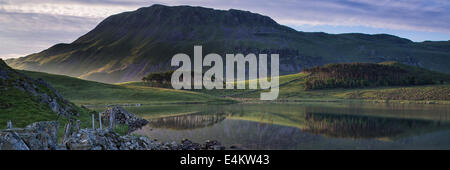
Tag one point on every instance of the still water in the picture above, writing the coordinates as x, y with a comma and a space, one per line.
302, 126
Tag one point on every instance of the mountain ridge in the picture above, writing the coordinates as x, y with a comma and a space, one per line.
128, 46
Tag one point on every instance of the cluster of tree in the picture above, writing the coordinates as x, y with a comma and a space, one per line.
160, 79
357, 75
163, 79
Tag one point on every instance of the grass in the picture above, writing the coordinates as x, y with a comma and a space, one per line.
428, 92
22, 108
121, 129
292, 89
85, 92
160, 110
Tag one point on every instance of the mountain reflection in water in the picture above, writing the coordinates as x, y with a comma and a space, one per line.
309, 127
351, 126
191, 121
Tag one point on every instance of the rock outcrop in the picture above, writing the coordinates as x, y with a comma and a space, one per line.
37, 136
44, 136
121, 116
12, 141
106, 139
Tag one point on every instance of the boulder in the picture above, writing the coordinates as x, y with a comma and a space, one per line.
122, 116
106, 139
36, 136
12, 141
43, 136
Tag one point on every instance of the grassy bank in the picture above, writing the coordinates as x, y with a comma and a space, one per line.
83, 92
292, 89
23, 109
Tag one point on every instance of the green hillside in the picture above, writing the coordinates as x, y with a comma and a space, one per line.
292, 87
357, 75
128, 46
89, 92
27, 97
24, 100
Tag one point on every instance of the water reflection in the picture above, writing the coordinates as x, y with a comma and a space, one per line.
320, 126
184, 122
355, 126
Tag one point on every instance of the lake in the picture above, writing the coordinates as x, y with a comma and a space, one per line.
302, 125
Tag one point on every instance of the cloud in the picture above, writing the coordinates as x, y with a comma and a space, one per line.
26, 33
69, 8
418, 15
33, 25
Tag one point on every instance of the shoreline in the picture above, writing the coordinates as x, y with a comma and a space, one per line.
282, 101
293, 101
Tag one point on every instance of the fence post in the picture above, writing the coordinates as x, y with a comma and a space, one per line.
9, 124
67, 131
78, 126
100, 119
93, 122
111, 119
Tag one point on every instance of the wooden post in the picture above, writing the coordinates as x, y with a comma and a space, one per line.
100, 119
93, 122
9, 124
67, 131
111, 119
78, 126
71, 126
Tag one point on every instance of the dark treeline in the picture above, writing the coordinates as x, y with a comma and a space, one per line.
163, 79
160, 79
356, 75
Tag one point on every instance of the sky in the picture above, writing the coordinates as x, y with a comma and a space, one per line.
30, 26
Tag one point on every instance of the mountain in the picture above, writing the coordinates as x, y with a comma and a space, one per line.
129, 45
24, 100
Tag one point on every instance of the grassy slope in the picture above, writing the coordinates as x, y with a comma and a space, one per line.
22, 108
89, 92
292, 89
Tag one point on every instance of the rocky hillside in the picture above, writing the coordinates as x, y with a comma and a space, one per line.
24, 100
130, 45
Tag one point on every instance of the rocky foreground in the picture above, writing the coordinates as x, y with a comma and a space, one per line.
43, 136
122, 116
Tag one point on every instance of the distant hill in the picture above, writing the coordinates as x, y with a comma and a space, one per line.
358, 75
129, 45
